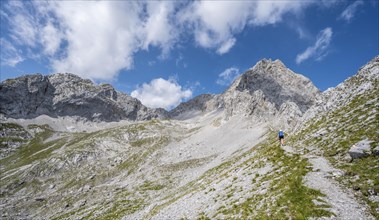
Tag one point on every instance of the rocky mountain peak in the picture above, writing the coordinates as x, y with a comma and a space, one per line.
278, 84
268, 64
268, 91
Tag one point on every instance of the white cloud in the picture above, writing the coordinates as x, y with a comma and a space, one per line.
320, 49
210, 25
94, 39
214, 23
159, 27
9, 54
98, 39
24, 27
161, 93
102, 37
271, 12
228, 76
51, 38
350, 11
226, 46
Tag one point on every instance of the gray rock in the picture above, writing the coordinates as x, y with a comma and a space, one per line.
12, 136
278, 84
334, 98
199, 103
347, 158
267, 90
360, 149
69, 95
376, 150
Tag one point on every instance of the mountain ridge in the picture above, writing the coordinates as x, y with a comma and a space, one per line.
267, 91
66, 94
216, 162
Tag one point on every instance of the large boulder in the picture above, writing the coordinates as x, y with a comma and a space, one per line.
360, 149
376, 150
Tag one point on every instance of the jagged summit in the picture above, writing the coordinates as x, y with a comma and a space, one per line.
264, 62
266, 91
66, 94
278, 83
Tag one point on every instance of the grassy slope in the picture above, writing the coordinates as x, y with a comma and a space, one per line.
55, 162
286, 196
335, 132
283, 195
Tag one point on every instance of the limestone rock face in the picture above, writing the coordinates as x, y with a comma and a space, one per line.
69, 95
204, 102
366, 79
278, 84
267, 91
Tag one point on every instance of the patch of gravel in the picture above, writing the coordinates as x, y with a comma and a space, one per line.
67, 123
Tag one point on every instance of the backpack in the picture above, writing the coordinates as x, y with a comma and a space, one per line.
281, 134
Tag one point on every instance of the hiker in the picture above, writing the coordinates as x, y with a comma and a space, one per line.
281, 137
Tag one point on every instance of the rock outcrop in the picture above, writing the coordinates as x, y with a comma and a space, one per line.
12, 136
360, 149
69, 95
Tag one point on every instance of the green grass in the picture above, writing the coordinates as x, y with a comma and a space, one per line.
122, 207
287, 196
4, 126
346, 126
35, 150
148, 185
285, 185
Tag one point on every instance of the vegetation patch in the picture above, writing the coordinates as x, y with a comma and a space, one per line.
334, 133
287, 197
149, 185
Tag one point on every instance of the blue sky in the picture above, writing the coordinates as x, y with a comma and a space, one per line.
165, 52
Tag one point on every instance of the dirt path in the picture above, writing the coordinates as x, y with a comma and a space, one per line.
342, 201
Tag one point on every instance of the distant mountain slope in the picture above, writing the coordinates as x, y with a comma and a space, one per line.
69, 95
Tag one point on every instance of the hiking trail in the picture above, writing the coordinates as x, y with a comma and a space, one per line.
343, 203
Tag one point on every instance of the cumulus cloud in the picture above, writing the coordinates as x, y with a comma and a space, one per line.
212, 29
350, 11
228, 76
226, 46
320, 49
102, 37
9, 54
94, 39
160, 28
31, 27
98, 39
161, 93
